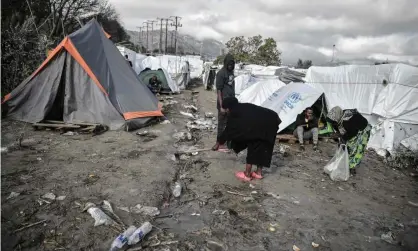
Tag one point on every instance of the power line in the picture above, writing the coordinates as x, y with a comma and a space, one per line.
176, 24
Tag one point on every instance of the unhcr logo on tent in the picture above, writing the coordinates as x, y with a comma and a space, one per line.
291, 100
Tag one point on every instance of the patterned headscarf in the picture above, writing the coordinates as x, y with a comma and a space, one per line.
339, 115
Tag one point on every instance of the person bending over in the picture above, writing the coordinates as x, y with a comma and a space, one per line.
253, 128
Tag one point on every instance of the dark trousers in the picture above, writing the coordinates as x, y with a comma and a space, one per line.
222, 118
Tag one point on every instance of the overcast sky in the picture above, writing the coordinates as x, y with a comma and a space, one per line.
307, 29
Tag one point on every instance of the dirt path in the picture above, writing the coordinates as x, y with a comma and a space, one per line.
296, 204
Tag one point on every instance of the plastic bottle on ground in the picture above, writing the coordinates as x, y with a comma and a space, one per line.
140, 233
122, 239
177, 189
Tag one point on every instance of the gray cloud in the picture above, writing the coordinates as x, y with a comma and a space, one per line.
373, 29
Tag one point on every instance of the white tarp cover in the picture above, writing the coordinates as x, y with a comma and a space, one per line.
260, 91
361, 87
173, 64
138, 63
262, 70
131, 54
291, 100
153, 63
388, 107
388, 135
242, 82
411, 142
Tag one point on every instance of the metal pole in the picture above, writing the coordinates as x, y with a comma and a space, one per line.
160, 47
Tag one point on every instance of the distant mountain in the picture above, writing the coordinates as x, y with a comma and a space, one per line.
209, 48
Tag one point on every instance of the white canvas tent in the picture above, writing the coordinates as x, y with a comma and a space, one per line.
260, 91
291, 100
387, 95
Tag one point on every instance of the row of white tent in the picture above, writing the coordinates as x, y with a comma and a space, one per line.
387, 95
171, 65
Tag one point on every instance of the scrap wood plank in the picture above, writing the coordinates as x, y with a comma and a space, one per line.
56, 125
285, 137
89, 128
72, 123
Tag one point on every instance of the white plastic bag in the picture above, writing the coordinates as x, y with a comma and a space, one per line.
338, 168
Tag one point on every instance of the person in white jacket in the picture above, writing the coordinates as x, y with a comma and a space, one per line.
185, 75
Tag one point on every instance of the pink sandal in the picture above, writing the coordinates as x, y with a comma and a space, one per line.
254, 175
241, 176
223, 150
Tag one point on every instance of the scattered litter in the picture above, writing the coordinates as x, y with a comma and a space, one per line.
39, 159
252, 186
388, 237
201, 124
184, 157
139, 233
323, 180
209, 115
126, 209
247, 199
254, 192
4, 150
195, 214
12, 195
235, 193
177, 190
106, 206
182, 136
165, 122
342, 189
323, 238
274, 195
191, 107
414, 204
315, 245
49, 196
213, 245
143, 133
62, 197
70, 133
146, 210
169, 102
30, 225
187, 114
195, 153
42, 201
283, 149
272, 229
295, 248
100, 218
218, 212
122, 239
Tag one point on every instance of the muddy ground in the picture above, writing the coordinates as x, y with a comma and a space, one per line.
296, 203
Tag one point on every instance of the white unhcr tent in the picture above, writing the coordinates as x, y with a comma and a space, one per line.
387, 95
291, 100
260, 91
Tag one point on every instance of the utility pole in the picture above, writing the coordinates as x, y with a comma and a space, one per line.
160, 47
139, 35
152, 35
176, 24
333, 53
147, 25
166, 33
